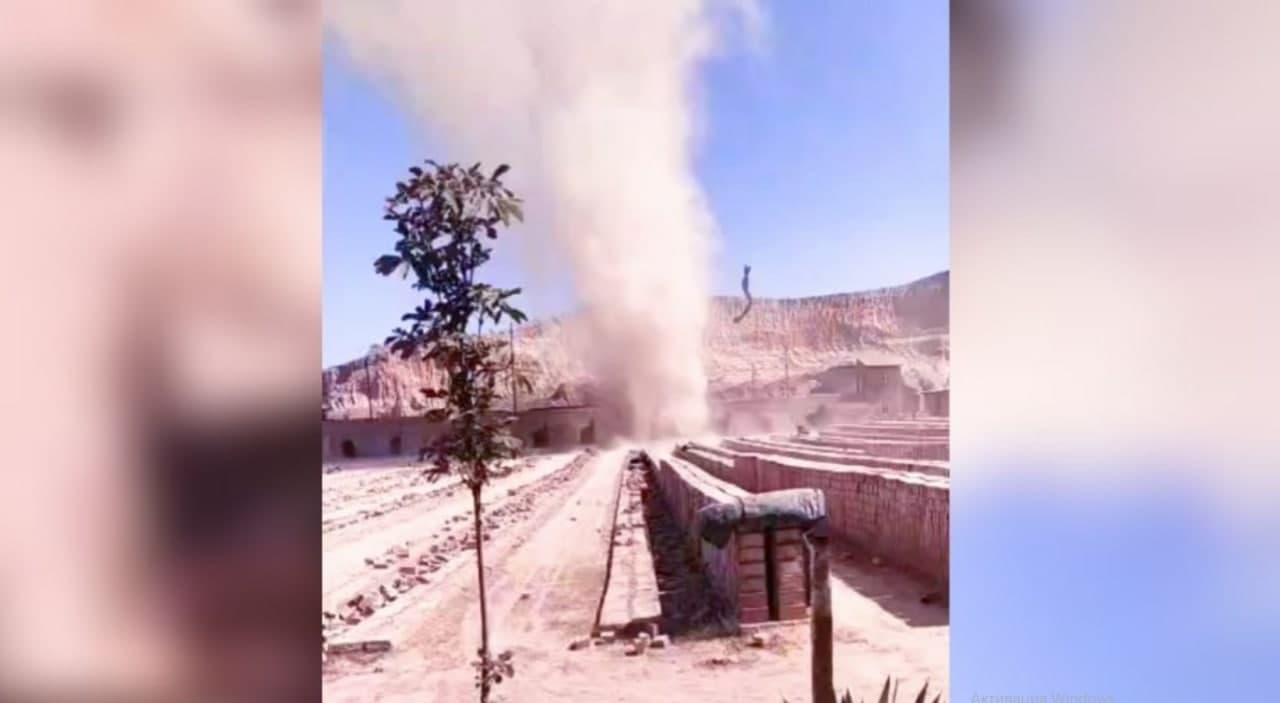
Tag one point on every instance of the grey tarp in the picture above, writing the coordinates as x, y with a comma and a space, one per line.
799, 507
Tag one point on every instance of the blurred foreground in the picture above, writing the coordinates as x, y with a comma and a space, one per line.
161, 262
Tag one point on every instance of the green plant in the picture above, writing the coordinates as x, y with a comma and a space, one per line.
889, 694
444, 215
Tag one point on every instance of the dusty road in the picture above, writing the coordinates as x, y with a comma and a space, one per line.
544, 582
396, 509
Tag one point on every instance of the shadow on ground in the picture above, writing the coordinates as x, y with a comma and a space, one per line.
893, 589
691, 608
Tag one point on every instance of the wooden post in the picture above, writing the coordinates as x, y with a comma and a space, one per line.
822, 666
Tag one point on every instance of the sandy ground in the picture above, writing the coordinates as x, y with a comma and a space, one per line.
544, 584
398, 525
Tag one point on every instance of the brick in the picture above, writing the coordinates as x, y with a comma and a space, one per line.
345, 647
752, 584
789, 552
792, 596
758, 599
789, 568
753, 569
792, 582
793, 612
750, 554
750, 539
753, 615
789, 537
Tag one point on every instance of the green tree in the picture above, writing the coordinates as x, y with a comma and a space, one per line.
444, 217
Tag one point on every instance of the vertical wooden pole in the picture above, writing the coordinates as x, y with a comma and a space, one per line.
822, 666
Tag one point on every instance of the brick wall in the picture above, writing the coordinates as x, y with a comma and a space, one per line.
758, 588
685, 490
902, 429
904, 517
896, 447
836, 456
714, 461
374, 437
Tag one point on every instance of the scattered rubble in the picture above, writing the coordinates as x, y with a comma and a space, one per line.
413, 571
396, 482
367, 646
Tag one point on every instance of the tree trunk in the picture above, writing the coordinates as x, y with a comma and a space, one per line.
484, 608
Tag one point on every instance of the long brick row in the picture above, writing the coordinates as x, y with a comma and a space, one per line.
900, 515
800, 450
896, 429
754, 566
901, 448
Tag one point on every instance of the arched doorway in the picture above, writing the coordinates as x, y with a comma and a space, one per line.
348, 449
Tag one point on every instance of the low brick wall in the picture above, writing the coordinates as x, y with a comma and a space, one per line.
896, 429
713, 460
904, 517
756, 587
902, 448
834, 455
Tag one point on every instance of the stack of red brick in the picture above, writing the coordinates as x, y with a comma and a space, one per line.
762, 573
903, 516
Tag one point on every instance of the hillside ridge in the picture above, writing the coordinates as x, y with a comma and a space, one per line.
777, 350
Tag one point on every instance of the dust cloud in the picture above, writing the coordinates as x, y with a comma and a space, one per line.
595, 106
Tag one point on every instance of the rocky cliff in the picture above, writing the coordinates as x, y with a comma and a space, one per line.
779, 348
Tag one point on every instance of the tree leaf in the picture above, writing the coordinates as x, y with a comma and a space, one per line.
387, 264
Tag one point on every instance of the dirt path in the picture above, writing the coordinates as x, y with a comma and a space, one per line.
544, 584
346, 550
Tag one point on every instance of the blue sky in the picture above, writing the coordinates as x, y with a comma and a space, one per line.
825, 161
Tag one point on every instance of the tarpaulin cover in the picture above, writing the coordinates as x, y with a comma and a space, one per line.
799, 507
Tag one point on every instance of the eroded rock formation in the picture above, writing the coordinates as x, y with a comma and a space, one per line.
778, 349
